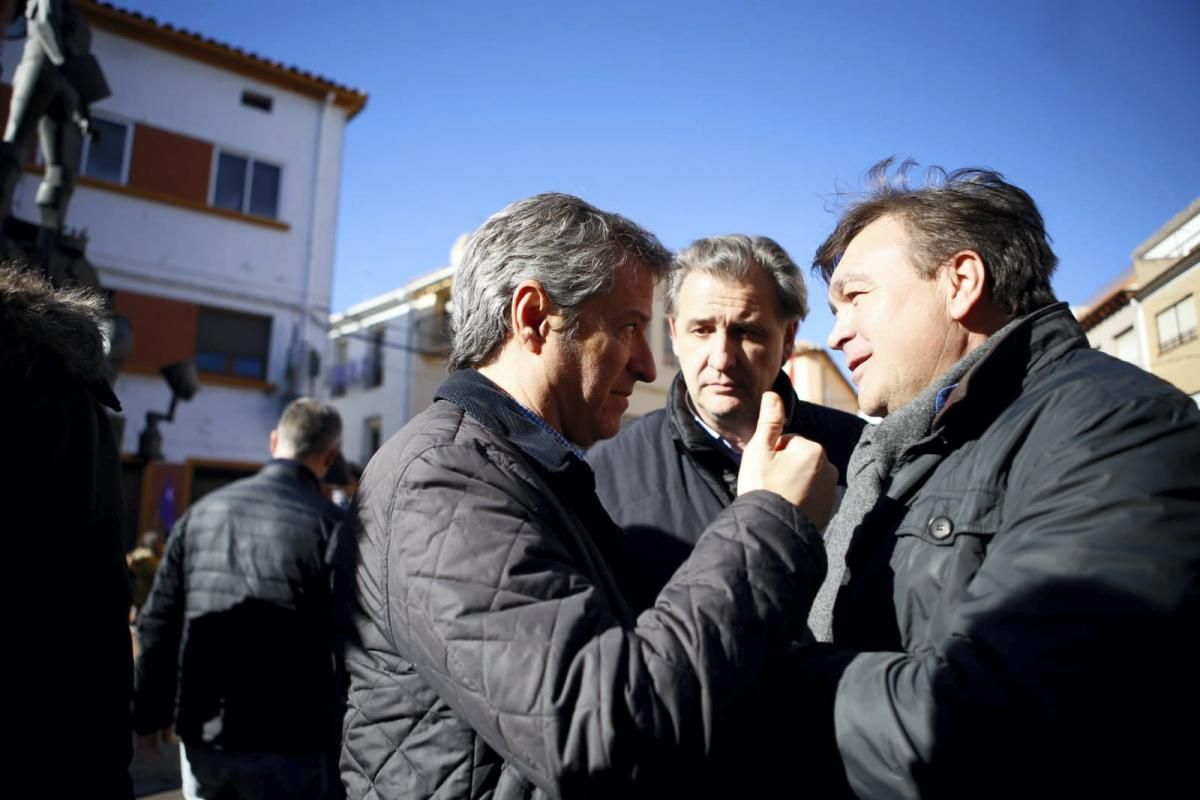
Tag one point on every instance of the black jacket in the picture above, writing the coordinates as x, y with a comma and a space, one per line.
237, 635
494, 655
663, 479
70, 665
1021, 614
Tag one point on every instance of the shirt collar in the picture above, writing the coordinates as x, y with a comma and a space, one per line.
939, 402
722, 443
496, 410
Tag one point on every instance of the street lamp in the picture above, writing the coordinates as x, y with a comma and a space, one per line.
181, 377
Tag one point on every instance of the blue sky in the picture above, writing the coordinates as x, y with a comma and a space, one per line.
702, 118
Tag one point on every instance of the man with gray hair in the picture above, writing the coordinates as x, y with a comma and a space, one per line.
494, 652
237, 636
733, 303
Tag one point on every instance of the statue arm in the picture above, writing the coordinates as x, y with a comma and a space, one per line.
45, 18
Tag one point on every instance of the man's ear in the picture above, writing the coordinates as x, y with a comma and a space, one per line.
330, 456
274, 441
966, 284
789, 340
532, 312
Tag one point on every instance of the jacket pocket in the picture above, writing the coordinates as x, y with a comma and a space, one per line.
941, 518
940, 546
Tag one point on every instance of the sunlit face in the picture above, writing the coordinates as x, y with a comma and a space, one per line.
892, 324
594, 371
731, 340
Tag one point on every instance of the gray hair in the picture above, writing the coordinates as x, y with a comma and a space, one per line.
571, 248
966, 209
309, 427
732, 257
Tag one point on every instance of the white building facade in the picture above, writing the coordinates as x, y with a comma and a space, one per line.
210, 208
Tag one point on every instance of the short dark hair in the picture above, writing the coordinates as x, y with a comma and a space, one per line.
967, 209
309, 427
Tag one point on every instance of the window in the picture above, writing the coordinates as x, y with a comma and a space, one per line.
372, 436
1127, 346
246, 185
341, 363
106, 155
255, 100
1177, 324
232, 343
668, 351
374, 366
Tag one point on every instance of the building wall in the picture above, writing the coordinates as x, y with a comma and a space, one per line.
835, 392
817, 380
647, 397
1180, 365
360, 402
1104, 335
280, 269
410, 379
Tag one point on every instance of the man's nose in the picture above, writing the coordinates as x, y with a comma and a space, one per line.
720, 354
641, 360
841, 333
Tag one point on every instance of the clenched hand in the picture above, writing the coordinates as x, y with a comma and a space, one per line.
788, 465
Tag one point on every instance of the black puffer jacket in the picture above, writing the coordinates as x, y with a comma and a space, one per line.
663, 479
495, 656
239, 624
1021, 615
70, 669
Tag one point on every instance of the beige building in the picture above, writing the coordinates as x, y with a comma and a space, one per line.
817, 378
1148, 315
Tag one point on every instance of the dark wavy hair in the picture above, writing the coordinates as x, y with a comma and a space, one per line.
967, 209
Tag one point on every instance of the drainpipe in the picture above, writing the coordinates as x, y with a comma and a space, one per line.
300, 355
1139, 322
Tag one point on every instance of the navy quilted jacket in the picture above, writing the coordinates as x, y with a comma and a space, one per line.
492, 653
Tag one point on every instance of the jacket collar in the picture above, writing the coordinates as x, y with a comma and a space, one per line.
293, 470
689, 432
1032, 345
495, 409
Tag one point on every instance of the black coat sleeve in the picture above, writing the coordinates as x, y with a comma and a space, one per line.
160, 628
497, 613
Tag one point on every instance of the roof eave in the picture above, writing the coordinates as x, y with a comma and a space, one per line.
191, 45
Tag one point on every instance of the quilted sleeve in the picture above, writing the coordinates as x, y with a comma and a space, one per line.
495, 610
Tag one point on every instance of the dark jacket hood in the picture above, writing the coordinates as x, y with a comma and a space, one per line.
37, 321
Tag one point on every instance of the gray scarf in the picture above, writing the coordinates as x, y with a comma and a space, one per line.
868, 474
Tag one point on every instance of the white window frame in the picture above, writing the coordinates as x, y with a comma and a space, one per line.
251, 159
1131, 332
126, 157
1181, 336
